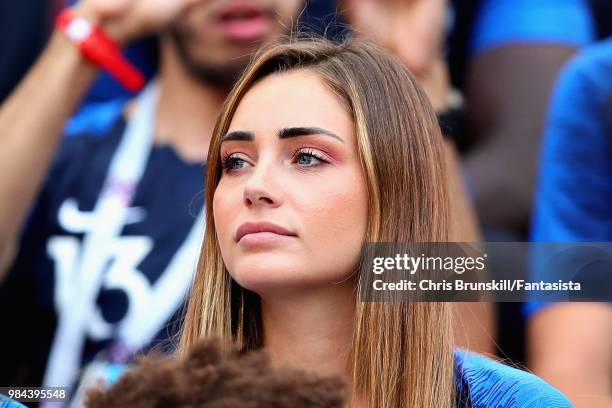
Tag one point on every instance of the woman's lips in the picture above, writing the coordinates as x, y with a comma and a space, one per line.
261, 233
245, 22
263, 239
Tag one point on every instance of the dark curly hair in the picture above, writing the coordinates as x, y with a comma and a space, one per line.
212, 378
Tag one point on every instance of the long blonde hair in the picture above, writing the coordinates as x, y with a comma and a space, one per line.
401, 353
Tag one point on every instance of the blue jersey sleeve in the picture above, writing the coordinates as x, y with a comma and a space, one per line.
487, 383
504, 22
574, 197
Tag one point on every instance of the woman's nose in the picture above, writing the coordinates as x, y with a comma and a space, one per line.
260, 190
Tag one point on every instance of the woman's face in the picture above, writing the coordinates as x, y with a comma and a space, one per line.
291, 206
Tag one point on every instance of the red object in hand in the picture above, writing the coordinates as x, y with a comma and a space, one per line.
100, 49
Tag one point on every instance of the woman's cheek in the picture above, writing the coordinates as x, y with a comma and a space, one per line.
336, 232
339, 215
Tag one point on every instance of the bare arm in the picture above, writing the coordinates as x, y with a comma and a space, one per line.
570, 346
31, 122
507, 99
32, 118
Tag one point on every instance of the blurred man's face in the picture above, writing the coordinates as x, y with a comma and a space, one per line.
216, 38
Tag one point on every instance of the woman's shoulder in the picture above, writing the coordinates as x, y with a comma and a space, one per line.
483, 382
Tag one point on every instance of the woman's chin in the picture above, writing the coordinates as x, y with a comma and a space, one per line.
271, 275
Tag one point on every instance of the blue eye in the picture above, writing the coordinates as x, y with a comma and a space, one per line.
305, 159
237, 163
309, 158
232, 163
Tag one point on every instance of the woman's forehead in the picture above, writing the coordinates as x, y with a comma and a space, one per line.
289, 99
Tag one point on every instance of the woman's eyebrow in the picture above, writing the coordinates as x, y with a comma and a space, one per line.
306, 131
239, 135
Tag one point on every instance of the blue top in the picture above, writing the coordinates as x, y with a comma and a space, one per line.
574, 198
503, 22
482, 382
5, 402
45, 273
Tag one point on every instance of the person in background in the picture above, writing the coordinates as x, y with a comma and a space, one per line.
516, 50
570, 343
503, 56
144, 53
98, 225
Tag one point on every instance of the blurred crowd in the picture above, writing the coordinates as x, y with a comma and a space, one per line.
523, 92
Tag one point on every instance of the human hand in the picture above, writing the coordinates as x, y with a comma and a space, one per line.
126, 20
412, 30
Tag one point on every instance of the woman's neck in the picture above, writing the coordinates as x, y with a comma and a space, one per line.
311, 331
